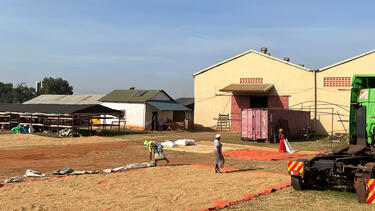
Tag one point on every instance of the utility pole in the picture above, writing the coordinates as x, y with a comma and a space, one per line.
315, 99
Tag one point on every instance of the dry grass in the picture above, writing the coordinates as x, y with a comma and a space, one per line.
288, 199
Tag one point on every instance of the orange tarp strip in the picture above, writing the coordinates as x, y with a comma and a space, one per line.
261, 154
220, 204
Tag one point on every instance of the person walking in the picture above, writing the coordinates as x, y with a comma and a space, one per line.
219, 158
156, 149
282, 142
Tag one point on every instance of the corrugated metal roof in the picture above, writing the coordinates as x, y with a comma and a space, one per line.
66, 99
347, 60
247, 52
130, 96
254, 88
168, 106
58, 109
185, 101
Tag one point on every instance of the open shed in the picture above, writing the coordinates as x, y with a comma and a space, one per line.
54, 117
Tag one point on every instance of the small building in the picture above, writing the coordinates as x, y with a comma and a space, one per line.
143, 109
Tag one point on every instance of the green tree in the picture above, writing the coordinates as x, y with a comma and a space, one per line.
55, 86
19, 94
23, 93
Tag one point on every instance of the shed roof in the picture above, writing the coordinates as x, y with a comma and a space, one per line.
185, 100
347, 60
247, 52
65, 99
168, 106
58, 109
131, 95
249, 88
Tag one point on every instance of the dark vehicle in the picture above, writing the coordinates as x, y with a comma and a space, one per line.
351, 165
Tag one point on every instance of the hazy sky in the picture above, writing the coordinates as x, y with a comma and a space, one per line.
103, 45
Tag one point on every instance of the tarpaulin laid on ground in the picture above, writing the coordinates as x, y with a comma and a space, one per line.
262, 154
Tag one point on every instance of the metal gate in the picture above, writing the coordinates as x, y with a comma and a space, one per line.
254, 124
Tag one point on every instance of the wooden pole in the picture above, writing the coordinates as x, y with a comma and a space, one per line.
58, 121
72, 125
332, 123
315, 100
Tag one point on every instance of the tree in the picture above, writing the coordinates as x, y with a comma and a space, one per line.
20, 94
23, 93
55, 86
6, 95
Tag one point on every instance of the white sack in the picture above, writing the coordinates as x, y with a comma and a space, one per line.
287, 146
185, 142
168, 144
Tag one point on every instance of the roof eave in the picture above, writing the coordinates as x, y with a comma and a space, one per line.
247, 52
346, 60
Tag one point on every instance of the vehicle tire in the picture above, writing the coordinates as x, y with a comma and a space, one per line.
307, 181
360, 188
297, 183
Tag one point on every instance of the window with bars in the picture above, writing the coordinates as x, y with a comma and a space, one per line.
336, 82
251, 80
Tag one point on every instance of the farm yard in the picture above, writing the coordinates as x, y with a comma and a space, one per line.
187, 183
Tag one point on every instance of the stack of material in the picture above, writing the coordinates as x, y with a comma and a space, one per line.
223, 122
129, 167
13, 179
70, 171
32, 173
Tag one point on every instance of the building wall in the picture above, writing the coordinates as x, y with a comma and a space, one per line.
287, 79
162, 115
278, 102
135, 113
238, 103
340, 96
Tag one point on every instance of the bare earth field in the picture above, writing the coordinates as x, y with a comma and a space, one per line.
158, 188
179, 186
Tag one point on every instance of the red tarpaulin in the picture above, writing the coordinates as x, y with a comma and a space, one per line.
262, 154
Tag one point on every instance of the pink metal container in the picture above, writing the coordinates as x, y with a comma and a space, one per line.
258, 124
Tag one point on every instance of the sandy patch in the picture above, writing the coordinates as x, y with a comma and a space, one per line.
207, 147
14, 141
158, 188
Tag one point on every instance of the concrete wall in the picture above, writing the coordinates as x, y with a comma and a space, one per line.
339, 95
135, 113
288, 81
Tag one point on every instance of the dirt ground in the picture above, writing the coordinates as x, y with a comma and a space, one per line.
157, 188
19, 152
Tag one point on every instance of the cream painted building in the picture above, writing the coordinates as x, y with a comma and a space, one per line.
242, 81
333, 90
221, 88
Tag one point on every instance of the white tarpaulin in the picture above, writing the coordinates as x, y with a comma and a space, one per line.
287, 146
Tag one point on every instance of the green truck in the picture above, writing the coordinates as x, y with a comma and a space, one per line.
351, 165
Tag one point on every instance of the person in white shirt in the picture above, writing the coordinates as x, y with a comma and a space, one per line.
219, 159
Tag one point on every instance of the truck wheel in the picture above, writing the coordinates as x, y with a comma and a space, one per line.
360, 188
297, 183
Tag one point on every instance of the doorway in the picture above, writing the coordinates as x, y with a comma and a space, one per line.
258, 101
